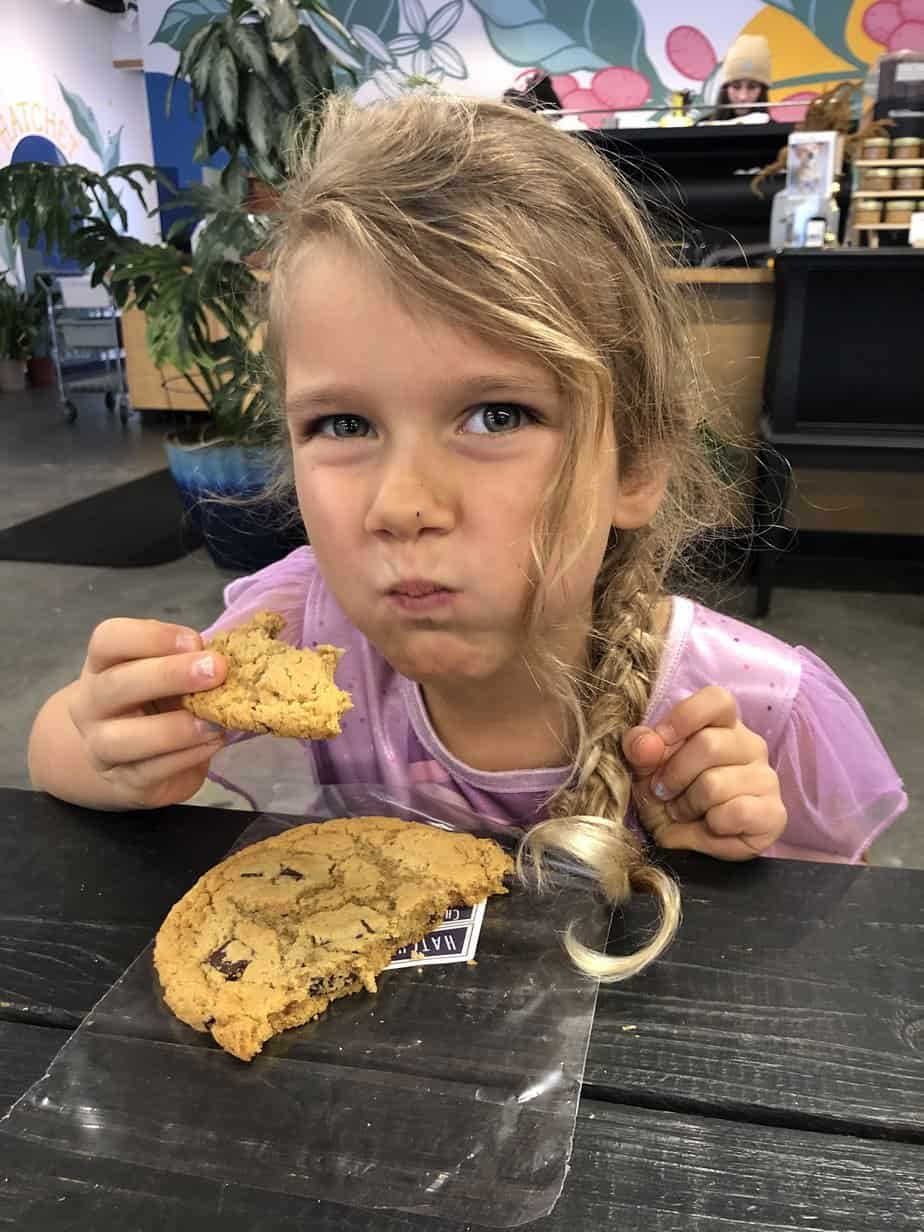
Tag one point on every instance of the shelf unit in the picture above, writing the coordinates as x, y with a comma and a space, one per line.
889, 162
881, 226
854, 229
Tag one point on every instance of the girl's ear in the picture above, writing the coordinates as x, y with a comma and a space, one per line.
638, 495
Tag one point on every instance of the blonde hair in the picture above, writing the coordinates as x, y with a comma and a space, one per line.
494, 219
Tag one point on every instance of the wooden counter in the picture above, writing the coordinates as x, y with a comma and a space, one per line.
151, 388
733, 311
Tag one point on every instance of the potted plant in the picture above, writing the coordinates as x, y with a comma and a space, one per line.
17, 330
252, 67
41, 365
203, 319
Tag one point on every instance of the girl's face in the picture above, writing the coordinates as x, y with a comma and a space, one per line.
744, 92
421, 455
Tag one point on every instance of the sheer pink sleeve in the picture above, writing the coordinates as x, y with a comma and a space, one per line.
281, 587
837, 781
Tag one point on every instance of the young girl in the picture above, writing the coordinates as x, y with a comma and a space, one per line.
496, 437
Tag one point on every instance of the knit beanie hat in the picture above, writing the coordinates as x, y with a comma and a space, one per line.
748, 59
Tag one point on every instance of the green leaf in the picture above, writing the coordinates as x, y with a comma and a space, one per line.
282, 52
278, 85
213, 125
200, 70
281, 21
84, 122
264, 169
194, 50
257, 113
314, 66
184, 18
249, 48
223, 84
201, 151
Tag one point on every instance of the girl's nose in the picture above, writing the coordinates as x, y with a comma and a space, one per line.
407, 501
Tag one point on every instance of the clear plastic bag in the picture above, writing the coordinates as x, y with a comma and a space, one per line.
453, 1091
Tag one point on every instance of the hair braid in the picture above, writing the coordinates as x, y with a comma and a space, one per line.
590, 815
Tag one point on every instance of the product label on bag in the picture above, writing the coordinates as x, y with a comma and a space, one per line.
455, 940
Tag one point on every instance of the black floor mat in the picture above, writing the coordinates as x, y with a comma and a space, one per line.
136, 524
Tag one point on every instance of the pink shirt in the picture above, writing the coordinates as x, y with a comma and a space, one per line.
838, 784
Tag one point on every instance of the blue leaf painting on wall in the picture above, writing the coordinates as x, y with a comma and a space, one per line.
564, 36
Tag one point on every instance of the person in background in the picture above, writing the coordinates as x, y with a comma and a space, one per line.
746, 74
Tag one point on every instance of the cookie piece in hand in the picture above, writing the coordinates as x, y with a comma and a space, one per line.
271, 936
271, 686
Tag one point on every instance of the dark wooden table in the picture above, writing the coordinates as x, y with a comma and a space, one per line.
767, 1073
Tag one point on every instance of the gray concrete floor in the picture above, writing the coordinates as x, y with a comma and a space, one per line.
874, 642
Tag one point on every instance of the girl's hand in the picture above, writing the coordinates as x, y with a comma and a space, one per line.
126, 708
703, 781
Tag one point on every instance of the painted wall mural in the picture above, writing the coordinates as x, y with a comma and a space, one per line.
61, 100
605, 57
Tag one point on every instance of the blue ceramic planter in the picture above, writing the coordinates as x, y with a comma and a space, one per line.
239, 538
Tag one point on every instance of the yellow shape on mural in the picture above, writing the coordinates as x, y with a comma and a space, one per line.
797, 52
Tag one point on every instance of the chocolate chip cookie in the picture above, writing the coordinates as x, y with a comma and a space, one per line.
271, 686
271, 936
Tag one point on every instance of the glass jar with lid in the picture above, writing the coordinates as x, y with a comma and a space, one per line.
909, 179
898, 212
867, 211
906, 147
875, 147
876, 179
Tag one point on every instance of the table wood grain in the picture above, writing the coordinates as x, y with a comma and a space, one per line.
793, 994
765, 1074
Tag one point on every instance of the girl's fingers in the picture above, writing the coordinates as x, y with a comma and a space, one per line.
120, 742
708, 707
131, 685
756, 820
143, 781
719, 785
707, 749
693, 836
119, 640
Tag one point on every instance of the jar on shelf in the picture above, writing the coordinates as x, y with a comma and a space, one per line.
898, 212
876, 179
875, 147
906, 147
909, 179
867, 211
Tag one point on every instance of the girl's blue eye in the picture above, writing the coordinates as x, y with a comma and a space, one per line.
497, 418
501, 417
343, 427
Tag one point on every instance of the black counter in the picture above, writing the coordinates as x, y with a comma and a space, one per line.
697, 181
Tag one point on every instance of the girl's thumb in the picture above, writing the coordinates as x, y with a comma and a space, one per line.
643, 749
